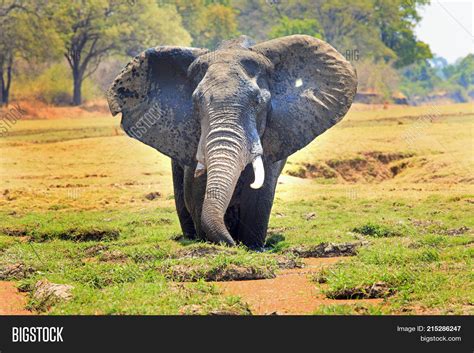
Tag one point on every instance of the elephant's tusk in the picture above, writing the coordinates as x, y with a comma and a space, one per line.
200, 170
259, 173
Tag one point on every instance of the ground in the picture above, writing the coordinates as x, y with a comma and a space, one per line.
82, 204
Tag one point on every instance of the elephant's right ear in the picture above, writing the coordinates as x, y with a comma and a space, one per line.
154, 95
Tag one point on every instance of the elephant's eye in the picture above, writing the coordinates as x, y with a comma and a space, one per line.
259, 100
251, 67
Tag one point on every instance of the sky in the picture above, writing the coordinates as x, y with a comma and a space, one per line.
448, 27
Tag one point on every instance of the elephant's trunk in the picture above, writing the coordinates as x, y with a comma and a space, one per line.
227, 154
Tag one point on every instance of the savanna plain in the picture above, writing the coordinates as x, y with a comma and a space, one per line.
374, 217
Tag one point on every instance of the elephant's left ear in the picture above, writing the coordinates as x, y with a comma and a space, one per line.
153, 93
312, 87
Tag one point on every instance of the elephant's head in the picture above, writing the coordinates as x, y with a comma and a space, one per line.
219, 111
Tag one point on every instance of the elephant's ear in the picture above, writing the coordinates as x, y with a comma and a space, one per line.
153, 93
312, 88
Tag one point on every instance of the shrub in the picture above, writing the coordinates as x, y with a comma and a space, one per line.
376, 230
52, 86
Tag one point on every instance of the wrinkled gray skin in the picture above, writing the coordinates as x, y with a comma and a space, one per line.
226, 109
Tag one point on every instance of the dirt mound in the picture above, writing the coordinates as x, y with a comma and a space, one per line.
95, 250
437, 227
45, 294
150, 222
152, 195
87, 234
457, 231
15, 271
115, 256
326, 250
196, 309
75, 233
314, 170
14, 232
289, 261
227, 272
368, 167
377, 290
202, 251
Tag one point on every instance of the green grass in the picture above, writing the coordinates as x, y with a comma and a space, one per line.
436, 276
415, 264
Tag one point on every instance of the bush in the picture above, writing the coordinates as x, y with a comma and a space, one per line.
376, 230
52, 86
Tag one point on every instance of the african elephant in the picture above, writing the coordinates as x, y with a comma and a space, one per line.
218, 114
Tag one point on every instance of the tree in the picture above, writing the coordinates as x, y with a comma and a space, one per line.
462, 72
377, 29
396, 20
23, 35
257, 17
218, 23
287, 27
209, 22
93, 29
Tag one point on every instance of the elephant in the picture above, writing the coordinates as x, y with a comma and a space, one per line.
228, 119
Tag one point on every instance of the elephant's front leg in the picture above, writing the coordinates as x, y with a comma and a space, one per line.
185, 219
194, 189
256, 205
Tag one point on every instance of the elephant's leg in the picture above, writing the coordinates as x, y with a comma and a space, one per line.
184, 216
256, 205
194, 189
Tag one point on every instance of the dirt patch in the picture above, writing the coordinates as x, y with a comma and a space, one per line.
314, 170
289, 262
75, 234
115, 256
426, 223
95, 250
196, 309
152, 195
229, 272
202, 251
45, 294
92, 234
377, 290
457, 231
368, 166
437, 227
326, 250
150, 222
291, 292
15, 271
79, 234
14, 232
12, 302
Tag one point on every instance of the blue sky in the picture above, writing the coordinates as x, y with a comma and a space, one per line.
448, 27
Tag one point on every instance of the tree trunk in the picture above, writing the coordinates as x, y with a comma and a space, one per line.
5, 83
6, 93
77, 94
2, 87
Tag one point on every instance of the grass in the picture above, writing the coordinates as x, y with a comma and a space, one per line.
73, 206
